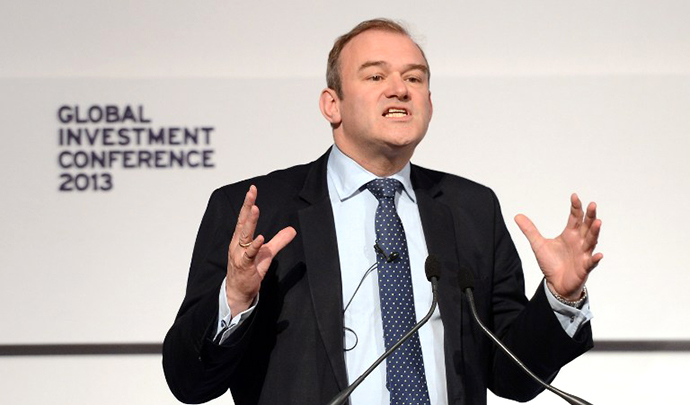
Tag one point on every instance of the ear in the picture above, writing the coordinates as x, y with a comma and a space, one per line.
329, 103
431, 107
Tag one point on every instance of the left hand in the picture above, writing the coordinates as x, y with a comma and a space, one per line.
567, 260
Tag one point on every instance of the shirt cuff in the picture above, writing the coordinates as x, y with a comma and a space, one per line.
226, 323
570, 318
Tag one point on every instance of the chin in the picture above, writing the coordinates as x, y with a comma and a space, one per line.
404, 140
401, 146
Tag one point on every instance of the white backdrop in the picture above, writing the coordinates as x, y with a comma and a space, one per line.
535, 99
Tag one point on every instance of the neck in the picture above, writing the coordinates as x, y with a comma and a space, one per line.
378, 163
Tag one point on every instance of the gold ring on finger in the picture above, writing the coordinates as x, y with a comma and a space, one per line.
245, 245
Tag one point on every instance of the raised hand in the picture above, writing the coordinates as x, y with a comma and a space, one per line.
250, 257
567, 260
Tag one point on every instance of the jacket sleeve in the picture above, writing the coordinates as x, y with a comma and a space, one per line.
531, 330
196, 369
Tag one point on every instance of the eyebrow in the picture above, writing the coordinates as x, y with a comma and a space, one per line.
408, 67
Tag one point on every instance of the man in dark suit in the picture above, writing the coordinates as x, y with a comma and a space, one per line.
271, 321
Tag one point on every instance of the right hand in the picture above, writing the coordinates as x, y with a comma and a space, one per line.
247, 266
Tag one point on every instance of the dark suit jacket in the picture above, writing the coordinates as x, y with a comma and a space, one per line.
291, 349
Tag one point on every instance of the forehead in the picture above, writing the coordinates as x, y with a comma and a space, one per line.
381, 46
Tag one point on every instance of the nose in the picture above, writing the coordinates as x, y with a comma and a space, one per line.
397, 88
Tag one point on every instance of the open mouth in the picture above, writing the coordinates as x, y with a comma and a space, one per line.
395, 113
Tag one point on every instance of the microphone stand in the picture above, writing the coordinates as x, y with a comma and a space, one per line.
571, 399
342, 397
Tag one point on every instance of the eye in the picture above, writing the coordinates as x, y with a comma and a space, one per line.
376, 78
414, 79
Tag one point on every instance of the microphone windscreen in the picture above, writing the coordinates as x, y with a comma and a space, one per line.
432, 267
465, 278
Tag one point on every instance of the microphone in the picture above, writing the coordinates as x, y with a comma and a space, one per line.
432, 269
466, 282
389, 258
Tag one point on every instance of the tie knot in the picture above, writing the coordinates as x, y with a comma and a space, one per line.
382, 188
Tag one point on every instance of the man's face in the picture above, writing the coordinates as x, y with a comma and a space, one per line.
386, 105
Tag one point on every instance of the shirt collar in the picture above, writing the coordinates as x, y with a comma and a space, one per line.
349, 177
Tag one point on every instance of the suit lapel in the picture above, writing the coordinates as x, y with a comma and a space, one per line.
441, 241
438, 224
323, 266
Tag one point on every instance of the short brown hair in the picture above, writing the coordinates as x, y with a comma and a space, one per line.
333, 79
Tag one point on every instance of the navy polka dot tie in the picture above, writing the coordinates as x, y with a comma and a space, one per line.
405, 377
